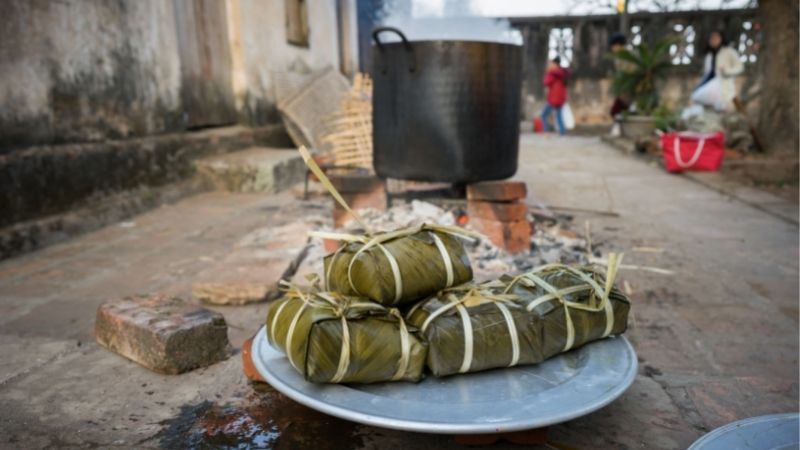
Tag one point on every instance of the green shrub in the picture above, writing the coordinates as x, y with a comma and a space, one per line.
646, 65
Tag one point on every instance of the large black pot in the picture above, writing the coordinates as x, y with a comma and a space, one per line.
445, 111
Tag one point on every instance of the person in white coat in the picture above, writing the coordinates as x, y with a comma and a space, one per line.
717, 88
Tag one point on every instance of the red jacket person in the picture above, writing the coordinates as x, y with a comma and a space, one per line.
555, 80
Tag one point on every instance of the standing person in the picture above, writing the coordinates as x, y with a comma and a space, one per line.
555, 80
717, 88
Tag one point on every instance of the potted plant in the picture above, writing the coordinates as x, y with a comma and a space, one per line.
637, 79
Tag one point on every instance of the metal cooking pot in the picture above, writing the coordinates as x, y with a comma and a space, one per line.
445, 111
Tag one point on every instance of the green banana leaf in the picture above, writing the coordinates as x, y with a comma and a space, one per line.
589, 325
421, 267
540, 328
310, 327
490, 328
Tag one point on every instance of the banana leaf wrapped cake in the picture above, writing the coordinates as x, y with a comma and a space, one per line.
574, 306
399, 267
395, 267
333, 338
476, 327
520, 320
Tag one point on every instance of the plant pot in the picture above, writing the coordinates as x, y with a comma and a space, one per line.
636, 127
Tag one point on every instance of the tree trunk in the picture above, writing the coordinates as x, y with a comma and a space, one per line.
778, 116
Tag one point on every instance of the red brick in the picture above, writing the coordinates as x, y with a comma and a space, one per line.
524, 437
497, 191
513, 236
502, 211
248, 367
164, 334
476, 440
527, 437
374, 199
331, 245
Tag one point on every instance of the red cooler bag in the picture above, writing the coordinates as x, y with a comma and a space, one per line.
693, 151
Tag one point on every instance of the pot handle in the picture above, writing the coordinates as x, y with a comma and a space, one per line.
412, 66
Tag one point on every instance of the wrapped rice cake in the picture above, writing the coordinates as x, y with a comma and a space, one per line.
399, 267
519, 320
574, 306
333, 338
473, 328
395, 267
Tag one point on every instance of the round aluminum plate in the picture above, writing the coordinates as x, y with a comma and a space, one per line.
496, 401
773, 432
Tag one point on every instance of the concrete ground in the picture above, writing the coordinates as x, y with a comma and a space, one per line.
717, 339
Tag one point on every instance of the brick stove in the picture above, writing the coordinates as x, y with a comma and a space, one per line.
498, 210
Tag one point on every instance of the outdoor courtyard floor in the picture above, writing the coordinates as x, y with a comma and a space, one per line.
717, 339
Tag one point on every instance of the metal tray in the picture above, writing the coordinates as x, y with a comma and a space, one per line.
497, 401
773, 432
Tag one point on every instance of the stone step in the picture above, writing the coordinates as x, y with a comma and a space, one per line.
56, 192
255, 169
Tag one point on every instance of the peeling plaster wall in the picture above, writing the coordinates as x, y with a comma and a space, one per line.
77, 71
263, 50
86, 84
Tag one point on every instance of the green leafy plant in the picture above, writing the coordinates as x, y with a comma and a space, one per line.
644, 67
665, 119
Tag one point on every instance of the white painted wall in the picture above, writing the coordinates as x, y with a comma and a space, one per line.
265, 50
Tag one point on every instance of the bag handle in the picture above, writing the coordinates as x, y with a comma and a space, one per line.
676, 149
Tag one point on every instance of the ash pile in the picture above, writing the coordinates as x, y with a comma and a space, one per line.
553, 240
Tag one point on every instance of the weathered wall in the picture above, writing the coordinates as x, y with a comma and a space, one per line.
76, 71
82, 71
260, 49
95, 96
